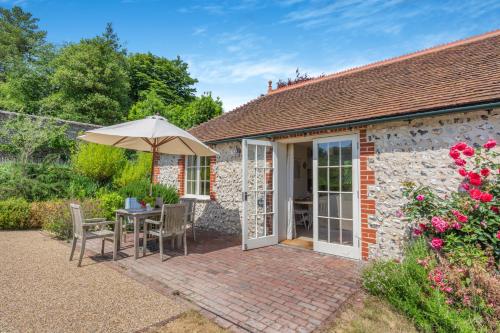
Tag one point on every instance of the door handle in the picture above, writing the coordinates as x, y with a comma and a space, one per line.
244, 196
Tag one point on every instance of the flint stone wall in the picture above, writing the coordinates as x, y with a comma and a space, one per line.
224, 213
417, 151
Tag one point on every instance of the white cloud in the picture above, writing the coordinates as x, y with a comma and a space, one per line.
199, 31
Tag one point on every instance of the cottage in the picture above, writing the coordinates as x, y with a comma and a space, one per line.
322, 161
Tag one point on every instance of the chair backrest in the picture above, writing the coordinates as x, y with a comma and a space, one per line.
174, 218
191, 208
77, 218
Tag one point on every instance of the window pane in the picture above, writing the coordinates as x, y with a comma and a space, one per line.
346, 179
347, 235
334, 154
261, 156
334, 205
334, 231
322, 204
269, 225
334, 179
323, 229
322, 179
346, 152
347, 205
191, 161
323, 154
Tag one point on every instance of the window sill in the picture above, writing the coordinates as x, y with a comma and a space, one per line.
197, 197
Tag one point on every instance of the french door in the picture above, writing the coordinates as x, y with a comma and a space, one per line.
335, 190
260, 223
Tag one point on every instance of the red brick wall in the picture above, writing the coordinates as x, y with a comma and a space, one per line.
213, 160
367, 177
156, 168
181, 176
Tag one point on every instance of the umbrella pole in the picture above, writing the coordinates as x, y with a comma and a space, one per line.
152, 169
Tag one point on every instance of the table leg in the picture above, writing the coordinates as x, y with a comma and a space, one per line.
136, 237
116, 245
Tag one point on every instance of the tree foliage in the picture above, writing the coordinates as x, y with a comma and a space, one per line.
90, 82
98, 162
170, 79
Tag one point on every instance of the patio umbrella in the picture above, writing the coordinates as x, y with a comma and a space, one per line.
154, 134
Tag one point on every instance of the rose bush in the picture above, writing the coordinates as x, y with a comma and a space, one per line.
463, 231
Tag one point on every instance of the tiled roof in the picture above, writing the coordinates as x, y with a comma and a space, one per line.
462, 73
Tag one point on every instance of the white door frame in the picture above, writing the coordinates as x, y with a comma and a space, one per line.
247, 243
354, 251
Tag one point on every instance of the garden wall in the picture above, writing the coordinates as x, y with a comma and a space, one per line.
417, 150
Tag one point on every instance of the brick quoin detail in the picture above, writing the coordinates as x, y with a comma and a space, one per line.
156, 168
182, 174
213, 160
367, 177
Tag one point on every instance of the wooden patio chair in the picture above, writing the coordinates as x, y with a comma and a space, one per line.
172, 224
191, 209
81, 230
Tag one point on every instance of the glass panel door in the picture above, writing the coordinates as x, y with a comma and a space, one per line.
336, 221
259, 194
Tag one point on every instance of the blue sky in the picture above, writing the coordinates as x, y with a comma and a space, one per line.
235, 47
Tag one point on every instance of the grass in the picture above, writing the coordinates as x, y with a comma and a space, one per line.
190, 321
370, 314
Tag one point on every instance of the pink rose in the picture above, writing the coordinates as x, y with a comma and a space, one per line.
460, 162
465, 186
462, 218
420, 197
454, 153
486, 197
498, 234
490, 144
460, 146
475, 194
474, 179
439, 224
462, 172
437, 243
417, 232
485, 172
456, 226
469, 151
448, 289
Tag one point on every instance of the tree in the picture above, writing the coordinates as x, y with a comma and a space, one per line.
20, 38
90, 81
149, 105
170, 79
202, 109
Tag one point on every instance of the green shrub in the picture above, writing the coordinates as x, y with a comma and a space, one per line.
82, 187
110, 202
140, 190
98, 162
14, 214
406, 286
34, 181
55, 217
135, 170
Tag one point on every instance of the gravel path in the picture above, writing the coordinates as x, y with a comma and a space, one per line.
41, 291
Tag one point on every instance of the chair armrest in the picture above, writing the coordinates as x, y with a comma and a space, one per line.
152, 221
95, 224
95, 219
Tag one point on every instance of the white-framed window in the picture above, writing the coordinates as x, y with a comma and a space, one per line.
197, 176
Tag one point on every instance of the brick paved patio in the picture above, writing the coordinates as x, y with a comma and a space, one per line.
272, 289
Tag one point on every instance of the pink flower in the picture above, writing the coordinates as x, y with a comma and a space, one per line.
460, 162
448, 289
469, 151
465, 186
456, 226
462, 218
485, 172
420, 197
490, 144
449, 301
475, 194
474, 179
437, 243
439, 224
486, 197
417, 232
495, 209
498, 234
454, 153
460, 146
462, 172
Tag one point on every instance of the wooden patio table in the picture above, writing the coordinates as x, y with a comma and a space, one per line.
136, 215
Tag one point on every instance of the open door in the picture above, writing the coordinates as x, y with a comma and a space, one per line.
260, 221
335, 190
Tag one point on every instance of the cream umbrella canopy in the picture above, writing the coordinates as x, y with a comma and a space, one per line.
153, 134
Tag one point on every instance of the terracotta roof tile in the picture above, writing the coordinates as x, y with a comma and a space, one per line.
460, 73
